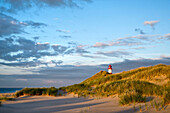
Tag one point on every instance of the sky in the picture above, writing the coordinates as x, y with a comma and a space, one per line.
45, 43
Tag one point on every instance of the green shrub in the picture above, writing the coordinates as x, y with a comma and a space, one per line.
166, 95
146, 106
131, 97
38, 91
140, 108
134, 106
6, 98
156, 106
151, 102
162, 105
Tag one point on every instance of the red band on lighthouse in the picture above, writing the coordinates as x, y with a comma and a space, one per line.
110, 69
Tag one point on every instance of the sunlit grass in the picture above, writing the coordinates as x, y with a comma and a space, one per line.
131, 86
38, 91
131, 97
138, 80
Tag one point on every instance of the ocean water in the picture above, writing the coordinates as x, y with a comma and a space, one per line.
9, 90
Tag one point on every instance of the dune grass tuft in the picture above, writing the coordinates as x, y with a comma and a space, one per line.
6, 98
131, 97
38, 91
140, 108
156, 105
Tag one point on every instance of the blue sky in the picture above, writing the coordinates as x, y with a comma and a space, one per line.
47, 43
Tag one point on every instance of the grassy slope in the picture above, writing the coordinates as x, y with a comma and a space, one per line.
132, 84
159, 74
153, 80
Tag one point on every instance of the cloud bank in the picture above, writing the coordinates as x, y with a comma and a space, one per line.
127, 41
115, 53
10, 25
70, 74
166, 36
19, 51
22, 5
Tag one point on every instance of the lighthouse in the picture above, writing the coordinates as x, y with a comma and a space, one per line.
110, 69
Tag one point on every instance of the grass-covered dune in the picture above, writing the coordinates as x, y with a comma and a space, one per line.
131, 86
158, 74
38, 91
135, 84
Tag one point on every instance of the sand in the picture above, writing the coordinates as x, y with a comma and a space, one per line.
71, 104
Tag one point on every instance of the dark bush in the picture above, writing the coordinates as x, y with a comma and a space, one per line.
38, 91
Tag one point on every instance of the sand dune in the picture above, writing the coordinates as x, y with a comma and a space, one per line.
70, 104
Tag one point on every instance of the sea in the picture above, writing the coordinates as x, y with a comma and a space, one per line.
9, 90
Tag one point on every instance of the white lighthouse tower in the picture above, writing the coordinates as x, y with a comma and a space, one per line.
110, 69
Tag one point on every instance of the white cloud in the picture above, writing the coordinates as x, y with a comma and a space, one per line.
46, 43
81, 46
126, 41
166, 36
62, 31
101, 45
52, 81
21, 79
138, 48
151, 23
13, 22
114, 53
23, 5
56, 45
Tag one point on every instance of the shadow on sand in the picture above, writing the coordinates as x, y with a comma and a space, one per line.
55, 105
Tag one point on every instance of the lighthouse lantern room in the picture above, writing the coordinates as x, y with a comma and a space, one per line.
110, 69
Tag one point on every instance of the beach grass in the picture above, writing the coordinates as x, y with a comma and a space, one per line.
131, 86
131, 97
52, 91
5, 98
143, 81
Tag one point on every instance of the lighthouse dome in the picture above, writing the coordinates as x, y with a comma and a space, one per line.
110, 69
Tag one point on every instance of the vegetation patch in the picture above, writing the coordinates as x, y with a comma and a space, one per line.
6, 98
136, 82
38, 91
131, 97
131, 86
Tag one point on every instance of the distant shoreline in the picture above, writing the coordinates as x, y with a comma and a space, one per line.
9, 90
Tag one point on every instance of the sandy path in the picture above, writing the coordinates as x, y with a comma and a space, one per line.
70, 104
